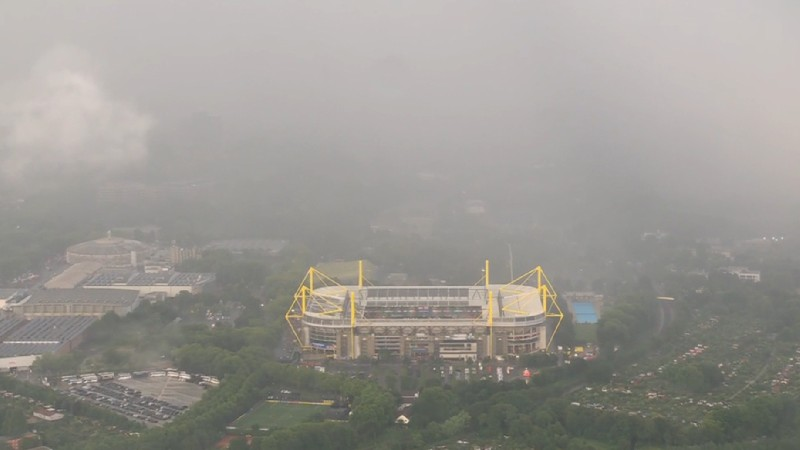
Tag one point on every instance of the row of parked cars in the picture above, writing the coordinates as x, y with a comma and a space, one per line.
73, 380
127, 401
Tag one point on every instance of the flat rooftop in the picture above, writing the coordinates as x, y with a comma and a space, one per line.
50, 329
8, 293
11, 350
73, 275
8, 324
40, 335
79, 296
138, 279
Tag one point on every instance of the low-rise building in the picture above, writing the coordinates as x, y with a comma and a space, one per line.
48, 414
77, 302
744, 274
167, 282
23, 341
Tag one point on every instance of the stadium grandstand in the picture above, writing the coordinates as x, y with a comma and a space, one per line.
447, 322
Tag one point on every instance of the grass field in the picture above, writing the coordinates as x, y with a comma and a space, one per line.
586, 332
277, 415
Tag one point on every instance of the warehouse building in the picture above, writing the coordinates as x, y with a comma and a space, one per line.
23, 341
77, 302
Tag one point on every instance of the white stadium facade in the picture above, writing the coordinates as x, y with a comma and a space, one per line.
446, 322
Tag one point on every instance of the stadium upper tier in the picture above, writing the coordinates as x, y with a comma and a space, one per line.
510, 305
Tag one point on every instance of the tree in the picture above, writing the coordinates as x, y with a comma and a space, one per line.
373, 410
435, 404
53, 365
14, 422
238, 444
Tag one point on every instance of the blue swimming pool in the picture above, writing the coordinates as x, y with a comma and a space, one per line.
584, 312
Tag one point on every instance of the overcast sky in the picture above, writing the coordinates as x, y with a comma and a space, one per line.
695, 97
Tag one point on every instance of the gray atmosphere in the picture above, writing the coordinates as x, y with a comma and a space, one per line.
693, 101
399, 224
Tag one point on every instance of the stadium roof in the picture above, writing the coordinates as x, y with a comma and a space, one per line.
509, 301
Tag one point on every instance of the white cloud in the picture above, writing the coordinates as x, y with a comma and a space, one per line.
60, 121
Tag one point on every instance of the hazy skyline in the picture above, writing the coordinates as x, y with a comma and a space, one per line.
690, 98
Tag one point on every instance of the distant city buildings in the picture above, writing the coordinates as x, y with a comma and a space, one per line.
177, 255
744, 273
239, 246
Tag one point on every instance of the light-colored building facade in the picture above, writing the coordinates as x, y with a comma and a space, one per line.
454, 322
77, 302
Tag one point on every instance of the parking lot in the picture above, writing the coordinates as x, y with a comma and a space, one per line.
152, 401
168, 389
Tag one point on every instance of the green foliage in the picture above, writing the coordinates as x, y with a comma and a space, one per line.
762, 416
699, 377
626, 321
435, 404
13, 422
334, 436
55, 365
373, 410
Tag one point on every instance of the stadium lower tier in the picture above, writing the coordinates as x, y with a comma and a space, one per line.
423, 342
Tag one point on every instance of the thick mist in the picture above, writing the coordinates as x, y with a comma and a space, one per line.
60, 121
687, 101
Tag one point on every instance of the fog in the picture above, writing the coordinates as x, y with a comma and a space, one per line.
60, 121
690, 102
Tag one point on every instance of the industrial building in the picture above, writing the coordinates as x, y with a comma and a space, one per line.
76, 302
73, 275
23, 341
446, 322
168, 283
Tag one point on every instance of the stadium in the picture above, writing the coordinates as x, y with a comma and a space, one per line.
421, 322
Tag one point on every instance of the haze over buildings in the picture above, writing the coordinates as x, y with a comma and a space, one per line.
664, 99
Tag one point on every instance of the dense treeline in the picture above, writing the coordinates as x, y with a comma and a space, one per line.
626, 321
204, 423
522, 416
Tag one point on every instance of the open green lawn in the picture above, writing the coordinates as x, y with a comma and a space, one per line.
277, 415
586, 332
